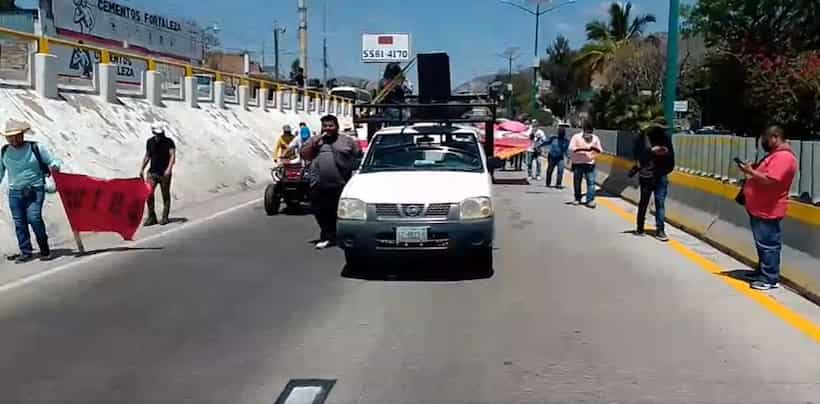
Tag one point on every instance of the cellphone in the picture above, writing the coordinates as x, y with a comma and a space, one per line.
738, 161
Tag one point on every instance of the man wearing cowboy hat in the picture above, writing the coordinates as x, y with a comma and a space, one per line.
28, 163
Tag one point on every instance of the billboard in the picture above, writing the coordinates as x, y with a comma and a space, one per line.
125, 24
79, 63
385, 48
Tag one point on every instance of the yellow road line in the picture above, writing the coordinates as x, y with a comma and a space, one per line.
784, 313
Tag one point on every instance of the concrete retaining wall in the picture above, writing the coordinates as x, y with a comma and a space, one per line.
706, 208
219, 150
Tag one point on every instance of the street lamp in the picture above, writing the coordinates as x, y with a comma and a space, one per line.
538, 12
510, 54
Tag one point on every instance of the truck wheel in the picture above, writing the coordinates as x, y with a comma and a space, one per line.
272, 200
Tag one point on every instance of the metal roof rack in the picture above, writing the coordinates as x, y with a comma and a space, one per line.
460, 109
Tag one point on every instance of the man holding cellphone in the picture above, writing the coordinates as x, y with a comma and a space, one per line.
766, 194
583, 148
333, 156
655, 160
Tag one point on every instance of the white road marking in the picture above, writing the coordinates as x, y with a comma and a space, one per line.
303, 395
49, 272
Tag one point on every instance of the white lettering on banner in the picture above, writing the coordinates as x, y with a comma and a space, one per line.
110, 20
79, 63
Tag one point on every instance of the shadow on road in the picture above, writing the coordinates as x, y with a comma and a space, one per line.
67, 252
415, 272
739, 274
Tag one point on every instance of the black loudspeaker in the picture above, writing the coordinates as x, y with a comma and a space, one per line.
434, 77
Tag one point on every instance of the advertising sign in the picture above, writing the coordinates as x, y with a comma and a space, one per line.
681, 106
385, 48
129, 25
79, 63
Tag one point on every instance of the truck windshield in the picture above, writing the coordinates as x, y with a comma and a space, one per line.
424, 152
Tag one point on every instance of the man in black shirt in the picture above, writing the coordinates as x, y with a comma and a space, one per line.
655, 160
160, 151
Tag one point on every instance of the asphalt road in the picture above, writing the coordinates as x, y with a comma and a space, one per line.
230, 310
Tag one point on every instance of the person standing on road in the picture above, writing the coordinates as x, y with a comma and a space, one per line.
766, 194
28, 164
655, 160
160, 152
558, 152
332, 157
537, 137
583, 148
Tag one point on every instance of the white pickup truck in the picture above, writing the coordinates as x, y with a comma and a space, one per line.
421, 189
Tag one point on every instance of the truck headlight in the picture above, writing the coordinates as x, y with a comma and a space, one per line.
476, 208
352, 209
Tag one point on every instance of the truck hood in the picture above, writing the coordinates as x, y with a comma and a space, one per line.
417, 187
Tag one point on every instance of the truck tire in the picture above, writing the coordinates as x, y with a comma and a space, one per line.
272, 200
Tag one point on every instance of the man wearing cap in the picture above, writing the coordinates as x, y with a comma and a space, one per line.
160, 151
27, 163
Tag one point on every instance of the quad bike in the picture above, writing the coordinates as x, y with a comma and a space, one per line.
290, 186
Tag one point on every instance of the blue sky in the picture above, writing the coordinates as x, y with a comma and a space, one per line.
473, 32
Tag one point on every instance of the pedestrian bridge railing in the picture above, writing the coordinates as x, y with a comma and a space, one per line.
51, 65
713, 156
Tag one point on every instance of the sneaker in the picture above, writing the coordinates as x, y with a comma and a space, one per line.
661, 235
538, 178
640, 232
591, 205
23, 258
322, 245
559, 186
164, 221
575, 203
150, 221
762, 285
45, 255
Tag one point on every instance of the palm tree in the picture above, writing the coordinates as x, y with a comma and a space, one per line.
608, 37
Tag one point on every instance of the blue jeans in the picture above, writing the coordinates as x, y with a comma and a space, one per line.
584, 172
769, 242
27, 210
660, 188
552, 164
533, 157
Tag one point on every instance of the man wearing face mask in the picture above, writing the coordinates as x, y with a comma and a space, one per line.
766, 194
332, 157
584, 147
161, 153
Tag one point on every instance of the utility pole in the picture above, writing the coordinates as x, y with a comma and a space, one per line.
510, 54
303, 38
276, 31
671, 83
324, 46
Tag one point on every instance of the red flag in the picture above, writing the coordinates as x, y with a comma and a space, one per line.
97, 205
385, 40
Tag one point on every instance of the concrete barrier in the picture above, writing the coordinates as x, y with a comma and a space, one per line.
706, 208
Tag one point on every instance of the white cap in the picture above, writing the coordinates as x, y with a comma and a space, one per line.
158, 128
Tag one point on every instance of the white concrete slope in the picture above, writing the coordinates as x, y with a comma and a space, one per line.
218, 151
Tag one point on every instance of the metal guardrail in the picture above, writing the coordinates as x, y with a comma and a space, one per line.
42, 45
713, 156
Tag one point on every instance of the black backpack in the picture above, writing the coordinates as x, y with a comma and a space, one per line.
34, 149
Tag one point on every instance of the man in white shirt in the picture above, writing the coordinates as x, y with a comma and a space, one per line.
537, 136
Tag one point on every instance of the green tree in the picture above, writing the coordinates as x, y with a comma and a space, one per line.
564, 79
607, 37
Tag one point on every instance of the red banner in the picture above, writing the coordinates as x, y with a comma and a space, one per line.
97, 205
509, 147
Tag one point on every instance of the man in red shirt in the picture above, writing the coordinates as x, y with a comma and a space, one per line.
767, 199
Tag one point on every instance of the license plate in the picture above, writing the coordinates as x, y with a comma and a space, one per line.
411, 234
